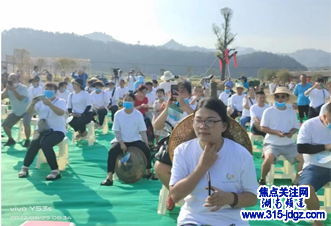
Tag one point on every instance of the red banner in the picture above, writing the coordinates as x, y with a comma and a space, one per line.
220, 64
226, 56
235, 60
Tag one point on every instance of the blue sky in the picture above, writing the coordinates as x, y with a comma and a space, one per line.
271, 25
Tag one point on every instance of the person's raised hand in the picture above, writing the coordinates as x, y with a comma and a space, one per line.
208, 157
218, 199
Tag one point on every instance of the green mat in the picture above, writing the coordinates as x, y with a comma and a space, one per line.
78, 196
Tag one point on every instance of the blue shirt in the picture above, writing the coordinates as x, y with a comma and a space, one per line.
82, 77
299, 91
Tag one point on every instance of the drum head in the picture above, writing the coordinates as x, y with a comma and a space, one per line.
134, 168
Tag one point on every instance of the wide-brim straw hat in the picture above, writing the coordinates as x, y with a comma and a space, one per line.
282, 90
240, 85
184, 132
98, 83
167, 76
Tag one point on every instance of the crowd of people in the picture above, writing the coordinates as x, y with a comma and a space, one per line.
137, 105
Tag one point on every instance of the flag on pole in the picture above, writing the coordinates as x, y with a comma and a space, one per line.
235, 60
220, 64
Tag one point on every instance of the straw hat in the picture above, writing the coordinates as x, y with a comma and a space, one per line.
281, 90
167, 76
240, 85
184, 132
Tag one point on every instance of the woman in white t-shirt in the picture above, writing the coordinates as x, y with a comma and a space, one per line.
35, 90
79, 106
100, 103
130, 130
131, 80
317, 96
52, 110
248, 101
62, 92
229, 165
224, 96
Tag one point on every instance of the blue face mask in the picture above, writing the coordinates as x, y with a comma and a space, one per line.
49, 93
127, 105
329, 125
148, 91
98, 90
35, 85
280, 105
227, 91
187, 101
64, 90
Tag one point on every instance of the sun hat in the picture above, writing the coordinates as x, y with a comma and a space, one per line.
184, 131
110, 81
240, 85
281, 90
167, 76
229, 84
79, 82
98, 83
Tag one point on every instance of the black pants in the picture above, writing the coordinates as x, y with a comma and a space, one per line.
235, 114
79, 123
314, 112
46, 143
101, 115
115, 150
113, 110
257, 132
304, 109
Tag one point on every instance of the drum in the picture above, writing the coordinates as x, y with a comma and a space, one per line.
134, 168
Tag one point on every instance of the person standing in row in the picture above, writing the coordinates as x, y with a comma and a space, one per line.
81, 75
303, 101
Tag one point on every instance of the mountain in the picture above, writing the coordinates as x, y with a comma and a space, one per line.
312, 58
103, 37
149, 59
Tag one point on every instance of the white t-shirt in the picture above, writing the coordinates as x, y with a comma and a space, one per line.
279, 120
79, 101
272, 87
246, 112
54, 121
99, 100
233, 171
291, 86
166, 86
63, 95
129, 125
117, 81
323, 109
257, 111
237, 102
70, 88
111, 97
316, 97
313, 131
224, 97
155, 89
34, 92
131, 83
121, 91
151, 98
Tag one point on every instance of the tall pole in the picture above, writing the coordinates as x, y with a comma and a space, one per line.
210, 67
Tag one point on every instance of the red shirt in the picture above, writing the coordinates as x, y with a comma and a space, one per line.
138, 103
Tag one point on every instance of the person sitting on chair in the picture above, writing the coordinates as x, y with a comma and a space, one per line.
173, 113
100, 103
248, 101
213, 158
35, 90
62, 92
113, 98
257, 112
141, 101
314, 142
236, 101
51, 130
79, 106
130, 130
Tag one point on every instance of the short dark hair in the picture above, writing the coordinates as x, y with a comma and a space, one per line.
319, 80
130, 95
141, 87
273, 77
155, 81
160, 90
90, 82
34, 68
186, 85
148, 84
304, 75
51, 85
260, 93
328, 108
62, 84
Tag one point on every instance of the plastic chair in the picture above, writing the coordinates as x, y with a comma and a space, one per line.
326, 198
21, 133
48, 223
164, 193
105, 128
63, 155
4, 111
287, 170
254, 138
90, 137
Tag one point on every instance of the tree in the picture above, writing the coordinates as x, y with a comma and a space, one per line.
23, 62
269, 74
316, 76
41, 63
189, 71
65, 64
262, 73
224, 38
283, 75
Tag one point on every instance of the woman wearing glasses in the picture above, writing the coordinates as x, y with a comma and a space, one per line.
280, 123
229, 165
